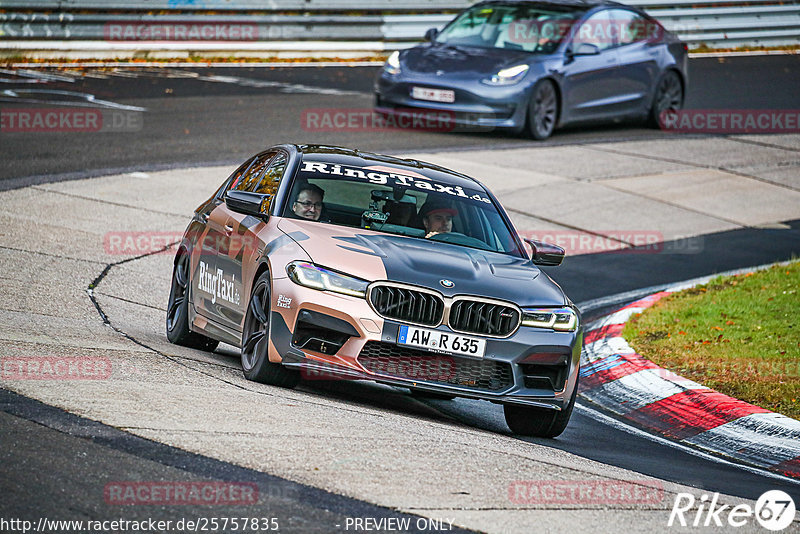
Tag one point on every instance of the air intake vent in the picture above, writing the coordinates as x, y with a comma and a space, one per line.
477, 317
407, 305
390, 360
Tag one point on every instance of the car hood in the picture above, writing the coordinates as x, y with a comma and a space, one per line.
375, 256
461, 60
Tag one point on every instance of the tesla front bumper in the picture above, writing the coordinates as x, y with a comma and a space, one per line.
475, 104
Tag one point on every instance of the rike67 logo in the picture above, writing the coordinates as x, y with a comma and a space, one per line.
774, 510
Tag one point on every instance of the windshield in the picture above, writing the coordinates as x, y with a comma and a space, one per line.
528, 28
398, 201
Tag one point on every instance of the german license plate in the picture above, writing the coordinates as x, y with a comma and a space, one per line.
438, 341
433, 95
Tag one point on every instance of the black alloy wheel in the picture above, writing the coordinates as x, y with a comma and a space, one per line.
543, 110
255, 341
668, 99
178, 331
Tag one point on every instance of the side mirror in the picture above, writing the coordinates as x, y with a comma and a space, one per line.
545, 254
255, 204
431, 34
586, 49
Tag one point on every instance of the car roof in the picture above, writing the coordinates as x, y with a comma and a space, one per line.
360, 158
588, 4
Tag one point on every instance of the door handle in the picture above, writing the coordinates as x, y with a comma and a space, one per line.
228, 229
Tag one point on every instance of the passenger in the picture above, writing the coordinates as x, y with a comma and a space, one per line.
308, 204
437, 216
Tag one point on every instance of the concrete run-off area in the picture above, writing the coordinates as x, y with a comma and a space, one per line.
58, 238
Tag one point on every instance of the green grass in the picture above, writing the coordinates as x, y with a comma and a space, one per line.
739, 335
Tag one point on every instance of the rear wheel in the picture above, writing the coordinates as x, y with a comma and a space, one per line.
542, 110
255, 341
539, 422
668, 98
178, 331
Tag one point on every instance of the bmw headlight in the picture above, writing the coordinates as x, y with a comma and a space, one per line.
392, 65
508, 76
309, 275
563, 319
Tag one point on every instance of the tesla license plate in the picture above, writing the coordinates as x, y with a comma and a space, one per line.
438, 341
433, 95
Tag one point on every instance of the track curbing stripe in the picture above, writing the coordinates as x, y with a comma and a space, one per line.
614, 377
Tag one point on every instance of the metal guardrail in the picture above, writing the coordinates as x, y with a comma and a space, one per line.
239, 5
284, 25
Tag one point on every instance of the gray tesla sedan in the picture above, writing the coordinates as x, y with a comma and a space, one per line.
534, 66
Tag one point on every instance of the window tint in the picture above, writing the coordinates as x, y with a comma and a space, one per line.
633, 27
536, 29
234, 178
596, 30
250, 179
272, 177
395, 201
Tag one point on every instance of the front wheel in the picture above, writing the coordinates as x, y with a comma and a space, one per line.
539, 422
542, 110
255, 341
178, 331
668, 98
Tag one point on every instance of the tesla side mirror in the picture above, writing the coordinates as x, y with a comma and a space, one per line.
431, 34
545, 254
255, 204
586, 49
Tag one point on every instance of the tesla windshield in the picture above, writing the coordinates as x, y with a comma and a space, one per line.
398, 201
528, 28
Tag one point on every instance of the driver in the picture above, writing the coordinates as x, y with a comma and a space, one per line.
308, 204
437, 216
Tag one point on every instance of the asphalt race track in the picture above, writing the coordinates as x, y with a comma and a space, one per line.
54, 461
233, 112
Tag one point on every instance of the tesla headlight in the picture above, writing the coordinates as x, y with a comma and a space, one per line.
508, 76
392, 65
563, 319
309, 275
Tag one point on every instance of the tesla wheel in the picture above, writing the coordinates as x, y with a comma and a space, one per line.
178, 310
255, 341
538, 422
668, 98
542, 110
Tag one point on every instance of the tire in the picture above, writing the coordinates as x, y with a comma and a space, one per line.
668, 97
255, 341
539, 422
177, 323
542, 110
